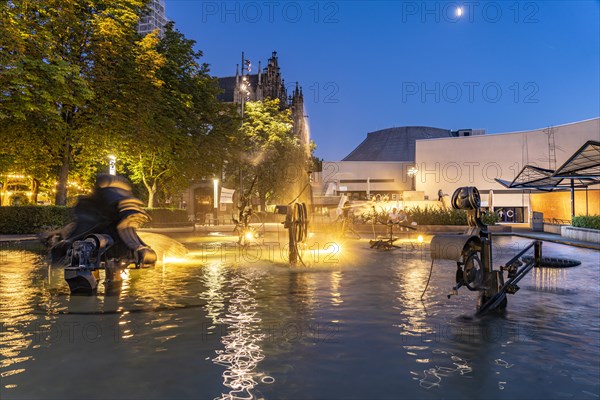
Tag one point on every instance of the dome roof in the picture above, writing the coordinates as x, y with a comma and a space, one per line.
394, 144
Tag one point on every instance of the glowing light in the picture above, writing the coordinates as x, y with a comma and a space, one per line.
459, 11
249, 236
242, 350
420, 239
412, 171
174, 260
216, 193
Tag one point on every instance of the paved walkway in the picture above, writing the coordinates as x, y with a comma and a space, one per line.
549, 237
18, 238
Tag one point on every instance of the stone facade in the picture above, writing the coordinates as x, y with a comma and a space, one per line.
268, 82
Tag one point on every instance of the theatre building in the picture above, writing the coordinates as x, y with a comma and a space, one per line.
413, 164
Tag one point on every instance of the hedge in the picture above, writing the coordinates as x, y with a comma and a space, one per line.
16, 220
437, 216
166, 216
590, 221
32, 219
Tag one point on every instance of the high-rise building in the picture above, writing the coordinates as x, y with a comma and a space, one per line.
154, 18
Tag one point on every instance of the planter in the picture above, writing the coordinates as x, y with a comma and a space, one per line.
583, 234
553, 228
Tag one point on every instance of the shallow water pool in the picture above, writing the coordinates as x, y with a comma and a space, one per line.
350, 324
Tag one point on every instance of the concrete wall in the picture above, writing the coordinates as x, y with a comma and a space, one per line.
477, 160
587, 235
336, 172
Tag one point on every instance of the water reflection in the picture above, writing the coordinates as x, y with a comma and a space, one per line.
336, 296
19, 327
242, 345
550, 279
214, 281
432, 377
410, 278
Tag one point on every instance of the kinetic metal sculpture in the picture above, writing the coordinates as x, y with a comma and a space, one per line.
103, 236
472, 252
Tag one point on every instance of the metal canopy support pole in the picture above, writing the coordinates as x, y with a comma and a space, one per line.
572, 199
586, 201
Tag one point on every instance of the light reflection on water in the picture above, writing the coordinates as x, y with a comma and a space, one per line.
242, 351
205, 328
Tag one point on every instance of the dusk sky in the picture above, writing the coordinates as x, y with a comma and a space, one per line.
501, 66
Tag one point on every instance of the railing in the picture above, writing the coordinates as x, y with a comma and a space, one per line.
557, 221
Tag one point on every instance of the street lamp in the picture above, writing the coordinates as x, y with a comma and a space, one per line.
412, 173
244, 93
216, 197
112, 165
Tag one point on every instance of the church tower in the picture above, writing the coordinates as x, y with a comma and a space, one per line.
267, 83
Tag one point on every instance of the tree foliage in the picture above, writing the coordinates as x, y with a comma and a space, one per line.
79, 83
271, 152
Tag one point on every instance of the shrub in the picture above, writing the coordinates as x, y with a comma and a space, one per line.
590, 221
490, 218
32, 219
166, 216
437, 216
17, 220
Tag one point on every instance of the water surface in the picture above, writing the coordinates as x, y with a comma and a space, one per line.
349, 325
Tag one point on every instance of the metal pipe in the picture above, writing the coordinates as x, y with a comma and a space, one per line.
515, 258
537, 250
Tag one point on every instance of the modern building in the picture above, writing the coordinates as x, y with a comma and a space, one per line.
477, 161
153, 18
416, 163
379, 166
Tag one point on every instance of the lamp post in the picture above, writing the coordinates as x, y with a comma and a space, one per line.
112, 165
216, 198
244, 93
412, 173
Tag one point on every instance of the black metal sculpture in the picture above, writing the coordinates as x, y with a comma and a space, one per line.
472, 252
103, 236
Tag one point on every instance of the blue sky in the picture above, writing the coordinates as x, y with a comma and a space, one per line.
502, 65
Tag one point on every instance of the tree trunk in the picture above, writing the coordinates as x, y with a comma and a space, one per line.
63, 178
263, 201
151, 193
150, 198
35, 188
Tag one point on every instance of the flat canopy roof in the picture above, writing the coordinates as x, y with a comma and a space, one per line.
583, 166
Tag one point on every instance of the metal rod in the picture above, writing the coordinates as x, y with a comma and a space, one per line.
515, 258
538, 253
498, 297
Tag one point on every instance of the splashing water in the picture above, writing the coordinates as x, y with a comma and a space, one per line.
163, 245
